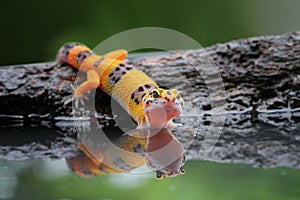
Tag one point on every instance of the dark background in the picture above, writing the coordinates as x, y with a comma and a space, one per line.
33, 31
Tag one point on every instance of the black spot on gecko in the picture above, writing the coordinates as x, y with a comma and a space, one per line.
117, 80
140, 92
118, 72
122, 164
85, 170
82, 56
141, 89
139, 149
102, 169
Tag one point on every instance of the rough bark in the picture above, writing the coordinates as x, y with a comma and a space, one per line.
262, 81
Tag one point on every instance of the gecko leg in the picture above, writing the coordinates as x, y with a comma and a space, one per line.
92, 82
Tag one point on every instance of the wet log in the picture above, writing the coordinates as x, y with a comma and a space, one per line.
261, 76
260, 73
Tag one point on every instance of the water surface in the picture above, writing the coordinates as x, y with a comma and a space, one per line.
51, 179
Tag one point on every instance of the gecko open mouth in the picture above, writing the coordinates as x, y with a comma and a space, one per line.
161, 106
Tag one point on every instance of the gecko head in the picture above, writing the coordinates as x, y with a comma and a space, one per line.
161, 174
162, 105
172, 170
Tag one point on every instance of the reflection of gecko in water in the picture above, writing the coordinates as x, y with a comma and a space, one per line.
147, 104
161, 151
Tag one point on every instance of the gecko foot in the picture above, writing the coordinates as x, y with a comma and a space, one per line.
76, 99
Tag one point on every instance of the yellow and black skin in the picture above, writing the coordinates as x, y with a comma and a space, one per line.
124, 155
132, 88
161, 151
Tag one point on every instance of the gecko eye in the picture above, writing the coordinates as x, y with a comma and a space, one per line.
155, 94
179, 95
182, 171
159, 175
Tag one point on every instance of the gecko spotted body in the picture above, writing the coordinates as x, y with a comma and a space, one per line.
162, 152
137, 93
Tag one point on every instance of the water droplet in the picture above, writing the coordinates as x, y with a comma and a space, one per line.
172, 188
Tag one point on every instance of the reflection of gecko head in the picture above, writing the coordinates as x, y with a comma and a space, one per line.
161, 175
126, 152
165, 154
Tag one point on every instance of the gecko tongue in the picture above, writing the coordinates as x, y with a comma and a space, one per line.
157, 117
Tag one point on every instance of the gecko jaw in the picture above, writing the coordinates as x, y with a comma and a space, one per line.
160, 112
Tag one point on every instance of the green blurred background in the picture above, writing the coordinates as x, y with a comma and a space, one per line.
51, 180
32, 30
